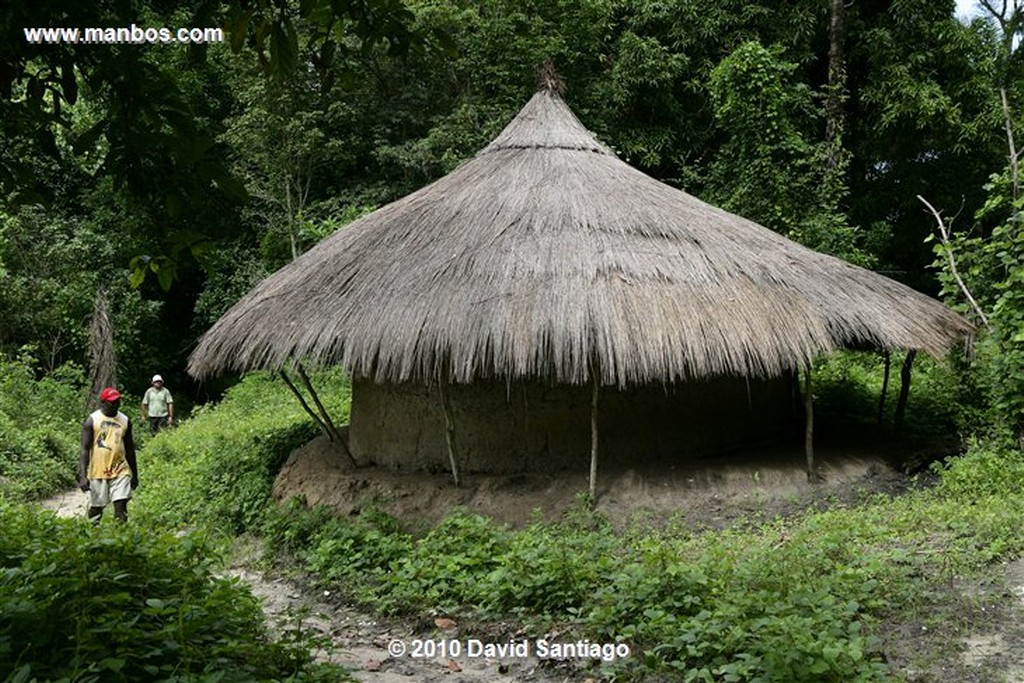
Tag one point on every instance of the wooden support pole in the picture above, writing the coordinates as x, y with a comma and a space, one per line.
885, 386
305, 406
326, 417
316, 399
323, 420
449, 432
812, 473
593, 440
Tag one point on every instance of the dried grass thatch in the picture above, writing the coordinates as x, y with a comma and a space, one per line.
546, 256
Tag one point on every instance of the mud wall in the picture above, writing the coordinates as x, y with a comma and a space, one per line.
520, 427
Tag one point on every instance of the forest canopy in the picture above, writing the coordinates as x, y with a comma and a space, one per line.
175, 175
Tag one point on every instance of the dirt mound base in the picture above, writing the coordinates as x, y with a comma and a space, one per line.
703, 494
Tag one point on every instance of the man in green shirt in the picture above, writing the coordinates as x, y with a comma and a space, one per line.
158, 406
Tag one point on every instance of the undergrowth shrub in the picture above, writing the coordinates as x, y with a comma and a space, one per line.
549, 569
361, 555
989, 469
217, 468
803, 599
445, 568
117, 603
848, 386
40, 424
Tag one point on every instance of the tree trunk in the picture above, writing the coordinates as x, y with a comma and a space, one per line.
102, 356
1012, 154
901, 403
834, 100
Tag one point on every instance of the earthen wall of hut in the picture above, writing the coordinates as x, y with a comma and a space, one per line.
519, 427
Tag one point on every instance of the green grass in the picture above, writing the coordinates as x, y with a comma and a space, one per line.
216, 470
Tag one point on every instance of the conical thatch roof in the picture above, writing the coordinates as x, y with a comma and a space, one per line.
546, 255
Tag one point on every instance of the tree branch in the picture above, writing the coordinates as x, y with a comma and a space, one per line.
1013, 155
944, 236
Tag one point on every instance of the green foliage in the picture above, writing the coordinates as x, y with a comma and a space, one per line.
705, 608
49, 307
991, 265
359, 554
770, 169
40, 423
225, 459
848, 389
927, 122
989, 472
116, 603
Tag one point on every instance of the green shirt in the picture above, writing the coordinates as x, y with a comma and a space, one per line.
156, 401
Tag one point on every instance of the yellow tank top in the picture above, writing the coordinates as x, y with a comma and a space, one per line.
106, 461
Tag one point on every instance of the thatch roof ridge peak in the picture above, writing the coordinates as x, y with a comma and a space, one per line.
546, 122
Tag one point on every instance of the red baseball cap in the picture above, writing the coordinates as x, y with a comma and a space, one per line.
110, 394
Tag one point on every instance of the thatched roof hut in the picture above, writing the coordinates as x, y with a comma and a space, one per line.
547, 259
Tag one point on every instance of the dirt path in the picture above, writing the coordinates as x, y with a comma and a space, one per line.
368, 647
361, 643
67, 504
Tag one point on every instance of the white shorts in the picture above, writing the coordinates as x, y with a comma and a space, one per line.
103, 491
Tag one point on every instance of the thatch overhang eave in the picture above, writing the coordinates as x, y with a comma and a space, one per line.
545, 256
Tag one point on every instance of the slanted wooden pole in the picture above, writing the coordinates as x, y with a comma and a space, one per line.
324, 419
316, 399
885, 386
305, 406
593, 439
812, 473
449, 432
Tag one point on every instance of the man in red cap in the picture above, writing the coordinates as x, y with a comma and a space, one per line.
106, 464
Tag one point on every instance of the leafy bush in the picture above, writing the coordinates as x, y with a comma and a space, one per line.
987, 470
848, 385
550, 569
40, 422
116, 603
801, 599
990, 258
217, 468
361, 555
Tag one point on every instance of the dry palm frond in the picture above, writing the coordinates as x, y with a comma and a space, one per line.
102, 356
